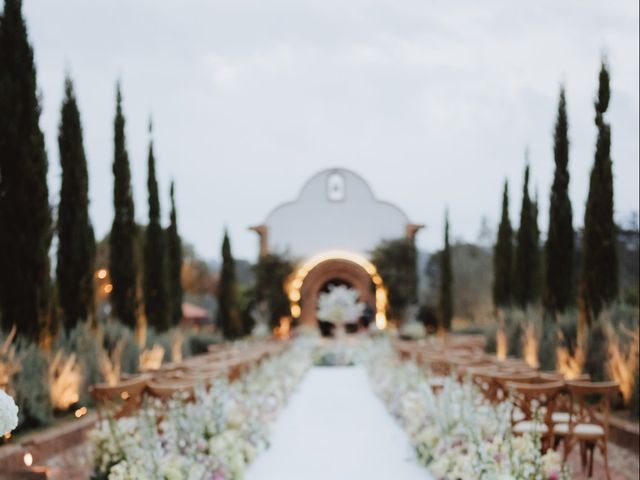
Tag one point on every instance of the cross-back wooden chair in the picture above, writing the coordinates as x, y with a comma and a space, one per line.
168, 390
119, 400
501, 380
589, 421
534, 403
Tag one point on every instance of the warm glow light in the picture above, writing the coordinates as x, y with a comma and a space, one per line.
28, 459
102, 273
81, 412
295, 284
381, 321
531, 347
108, 288
294, 295
7, 436
124, 395
501, 344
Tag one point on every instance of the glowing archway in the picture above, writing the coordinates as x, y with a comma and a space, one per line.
294, 285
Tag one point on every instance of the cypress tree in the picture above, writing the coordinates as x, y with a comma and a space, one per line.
122, 259
25, 215
599, 277
525, 273
76, 242
155, 265
229, 320
174, 264
536, 261
559, 249
445, 302
503, 256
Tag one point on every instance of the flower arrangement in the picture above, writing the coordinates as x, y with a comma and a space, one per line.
339, 305
213, 438
456, 433
8, 413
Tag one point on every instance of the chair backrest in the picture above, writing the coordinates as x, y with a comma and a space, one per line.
533, 397
165, 391
120, 399
593, 401
501, 380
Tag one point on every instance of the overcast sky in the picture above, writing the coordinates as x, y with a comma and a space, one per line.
433, 102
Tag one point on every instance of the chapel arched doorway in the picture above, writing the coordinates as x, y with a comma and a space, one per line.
314, 275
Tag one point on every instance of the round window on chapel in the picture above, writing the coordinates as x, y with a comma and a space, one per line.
335, 187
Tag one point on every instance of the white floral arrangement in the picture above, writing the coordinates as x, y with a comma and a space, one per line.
456, 433
213, 438
8, 413
340, 305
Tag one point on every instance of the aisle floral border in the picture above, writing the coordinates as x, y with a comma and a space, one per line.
213, 438
456, 433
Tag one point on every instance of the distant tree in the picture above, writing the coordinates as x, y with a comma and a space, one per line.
526, 268
445, 301
503, 257
599, 278
122, 257
174, 264
559, 251
471, 290
76, 242
155, 264
271, 272
25, 215
536, 262
396, 264
229, 319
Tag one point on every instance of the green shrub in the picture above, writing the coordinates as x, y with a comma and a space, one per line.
113, 333
514, 330
568, 330
199, 342
31, 385
597, 352
547, 345
83, 342
492, 343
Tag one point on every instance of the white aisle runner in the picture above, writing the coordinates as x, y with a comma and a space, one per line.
335, 428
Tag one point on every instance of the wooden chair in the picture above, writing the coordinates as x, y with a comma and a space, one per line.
589, 421
119, 400
535, 402
502, 379
168, 390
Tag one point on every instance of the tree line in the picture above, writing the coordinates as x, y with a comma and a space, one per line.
525, 273
30, 299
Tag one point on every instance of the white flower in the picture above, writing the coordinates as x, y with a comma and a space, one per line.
8, 413
340, 305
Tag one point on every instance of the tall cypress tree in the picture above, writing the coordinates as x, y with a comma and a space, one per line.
503, 256
76, 242
229, 320
445, 302
122, 259
536, 261
599, 278
174, 264
25, 215
559, 249
155, 265
525, 273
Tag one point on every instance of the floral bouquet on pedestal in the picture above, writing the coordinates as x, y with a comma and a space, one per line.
340, 306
